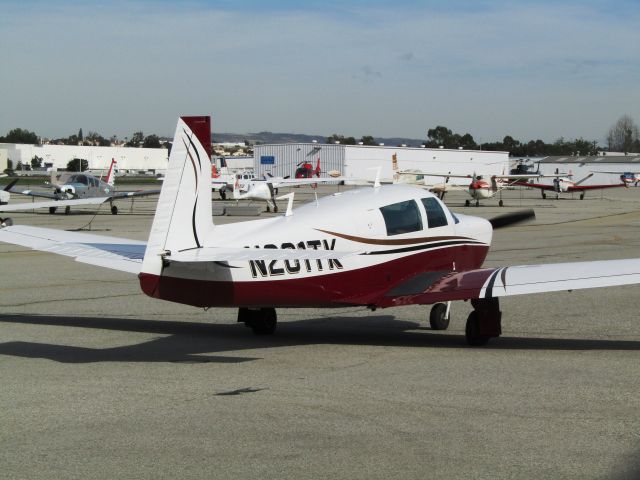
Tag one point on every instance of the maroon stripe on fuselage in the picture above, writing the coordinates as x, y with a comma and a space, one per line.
363, 286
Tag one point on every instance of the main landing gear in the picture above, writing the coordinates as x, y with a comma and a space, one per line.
262, 321
483, 323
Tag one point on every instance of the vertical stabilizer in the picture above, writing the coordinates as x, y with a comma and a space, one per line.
183, 215
111, 174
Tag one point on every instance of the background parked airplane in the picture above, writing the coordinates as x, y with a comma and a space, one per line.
564, 184
77, 189
378, 247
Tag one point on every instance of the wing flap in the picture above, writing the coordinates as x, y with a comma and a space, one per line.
516, 280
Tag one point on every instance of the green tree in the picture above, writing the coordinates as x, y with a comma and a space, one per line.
151, 141
136, 140
368, 140
18, 135
439, 137
77, 165
36, 162
342, 139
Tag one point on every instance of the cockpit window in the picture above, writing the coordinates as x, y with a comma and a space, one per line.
402, 217
435, 213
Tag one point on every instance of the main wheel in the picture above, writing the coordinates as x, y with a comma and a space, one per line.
438, 317
223, 194
544, 195
467, 203
275, 208
52, 210
472, 331
501, 203
264, 321
114, 210
477, 203
582, 196
67, 210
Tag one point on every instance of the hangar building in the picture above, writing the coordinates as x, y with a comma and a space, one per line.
356, 161
129, 160
580, 167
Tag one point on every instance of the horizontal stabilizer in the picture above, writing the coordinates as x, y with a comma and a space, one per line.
115, 253
227, 254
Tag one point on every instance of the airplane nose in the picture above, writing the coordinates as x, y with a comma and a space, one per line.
474, 227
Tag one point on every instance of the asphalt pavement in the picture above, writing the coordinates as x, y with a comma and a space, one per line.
99, 381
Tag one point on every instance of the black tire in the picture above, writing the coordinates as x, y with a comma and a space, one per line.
467, 203
544, 195
67, 210
223, 194
472, 331
114, 210
477, 203
275, 209
52, 210
264, 321
437, 317
582, 196
501, 203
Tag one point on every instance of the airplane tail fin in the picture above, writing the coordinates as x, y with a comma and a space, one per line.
111, 174
183, 216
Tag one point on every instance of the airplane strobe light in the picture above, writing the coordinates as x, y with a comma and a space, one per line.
381, 246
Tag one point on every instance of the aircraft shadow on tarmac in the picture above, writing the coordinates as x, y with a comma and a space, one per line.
191, 342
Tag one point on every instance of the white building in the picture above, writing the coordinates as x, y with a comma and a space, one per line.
356, 161
580, 167
57, 156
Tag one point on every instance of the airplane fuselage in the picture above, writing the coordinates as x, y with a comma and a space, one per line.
381, 254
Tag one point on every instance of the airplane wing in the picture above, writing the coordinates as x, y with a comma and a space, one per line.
290, 182
33, 193
432, 287
136, 193
116, 253
18, 207
578, 188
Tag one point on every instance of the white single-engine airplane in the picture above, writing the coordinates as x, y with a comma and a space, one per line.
75, 189
481, 189
266, 189
378, 247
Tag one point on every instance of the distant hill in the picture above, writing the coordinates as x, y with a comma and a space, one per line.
270, 137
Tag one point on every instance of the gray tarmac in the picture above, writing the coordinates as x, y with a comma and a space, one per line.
99, 381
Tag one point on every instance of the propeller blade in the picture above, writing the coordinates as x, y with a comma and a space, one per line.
513, 218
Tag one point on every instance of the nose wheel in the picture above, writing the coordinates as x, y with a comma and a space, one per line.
440, 316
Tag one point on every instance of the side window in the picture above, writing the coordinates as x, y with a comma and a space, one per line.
435, 213
402, 217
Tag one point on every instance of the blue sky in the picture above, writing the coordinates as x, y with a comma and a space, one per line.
530, 69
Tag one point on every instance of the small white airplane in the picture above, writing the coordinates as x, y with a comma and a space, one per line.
75, 189
380, 246
481, 189
627, 178
267, 188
